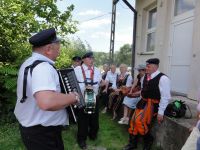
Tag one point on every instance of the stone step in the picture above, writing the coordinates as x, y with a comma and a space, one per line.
172, 133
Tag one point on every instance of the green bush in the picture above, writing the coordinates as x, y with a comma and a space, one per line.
8, 77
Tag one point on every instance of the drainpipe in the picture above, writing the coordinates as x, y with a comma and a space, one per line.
134, 35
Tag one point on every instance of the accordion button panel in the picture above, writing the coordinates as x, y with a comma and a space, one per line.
70, 84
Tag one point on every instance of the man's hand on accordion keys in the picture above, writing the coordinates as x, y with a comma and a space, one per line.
76, 95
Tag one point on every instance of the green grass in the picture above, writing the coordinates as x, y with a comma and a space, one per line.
112, 136
10, 137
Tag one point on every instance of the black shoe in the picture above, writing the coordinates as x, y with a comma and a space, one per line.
82, 145
147, 147
93, 137
148, 142
129, 147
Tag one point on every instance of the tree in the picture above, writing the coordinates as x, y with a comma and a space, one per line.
73, 48
124, 55
18, 20
101, 58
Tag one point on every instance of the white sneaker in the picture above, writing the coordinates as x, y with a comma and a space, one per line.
104, 110
123, 121
122, 118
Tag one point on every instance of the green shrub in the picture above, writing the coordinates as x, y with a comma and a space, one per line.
8, 81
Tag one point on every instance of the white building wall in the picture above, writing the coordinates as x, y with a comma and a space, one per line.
162, 47
194, 87
162, 32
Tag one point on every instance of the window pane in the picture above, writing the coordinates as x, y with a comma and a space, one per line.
182, 6
152, 18
151, 42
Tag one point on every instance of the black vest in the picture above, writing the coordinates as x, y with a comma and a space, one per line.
121, 82
138, 82
104, 75
151, 88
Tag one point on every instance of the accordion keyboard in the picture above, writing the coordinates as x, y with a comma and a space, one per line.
69, 84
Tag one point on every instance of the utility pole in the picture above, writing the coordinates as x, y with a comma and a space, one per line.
112, 35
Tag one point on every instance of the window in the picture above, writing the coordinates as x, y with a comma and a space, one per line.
182, 6
152, 18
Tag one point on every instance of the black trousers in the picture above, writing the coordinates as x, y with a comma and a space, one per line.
88, 124
42, 138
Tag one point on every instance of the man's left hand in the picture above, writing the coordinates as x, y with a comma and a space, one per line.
159, 118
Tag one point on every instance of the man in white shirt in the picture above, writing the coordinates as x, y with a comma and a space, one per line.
89, 78
76, 61
155, 96
111, 78
40, 107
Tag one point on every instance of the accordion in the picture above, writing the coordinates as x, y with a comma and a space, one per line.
69, 83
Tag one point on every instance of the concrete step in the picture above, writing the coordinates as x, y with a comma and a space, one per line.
172, 133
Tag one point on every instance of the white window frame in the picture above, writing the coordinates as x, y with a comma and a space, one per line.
182, 16
149, 31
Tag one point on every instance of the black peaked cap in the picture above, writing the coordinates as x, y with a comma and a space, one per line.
155, 61
88, 54
76, 58
44, 37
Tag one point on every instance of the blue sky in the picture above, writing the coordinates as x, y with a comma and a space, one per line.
97, 31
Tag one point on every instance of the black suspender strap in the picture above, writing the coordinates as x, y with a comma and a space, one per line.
31, 67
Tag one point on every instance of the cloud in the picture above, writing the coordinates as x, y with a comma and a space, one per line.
124, 29
101, 34
81, 32
90, 12
94, 23
123, 38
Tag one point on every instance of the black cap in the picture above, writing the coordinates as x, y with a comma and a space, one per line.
76, 58
44, 37
154, 61
88, 54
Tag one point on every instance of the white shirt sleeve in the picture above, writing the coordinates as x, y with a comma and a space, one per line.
79, 76
97, 78
129, 81
44, 78
164, 86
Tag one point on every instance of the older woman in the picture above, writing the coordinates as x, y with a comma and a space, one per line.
130, 102
116, 97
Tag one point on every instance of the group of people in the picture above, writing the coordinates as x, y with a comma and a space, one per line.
121, 89
146, 97
40, 107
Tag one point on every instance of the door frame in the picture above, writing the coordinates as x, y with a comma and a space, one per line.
176, 20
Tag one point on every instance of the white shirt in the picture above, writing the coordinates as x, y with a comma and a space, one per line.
44, 77
112, 78
129, 81
79, 75
164, 87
